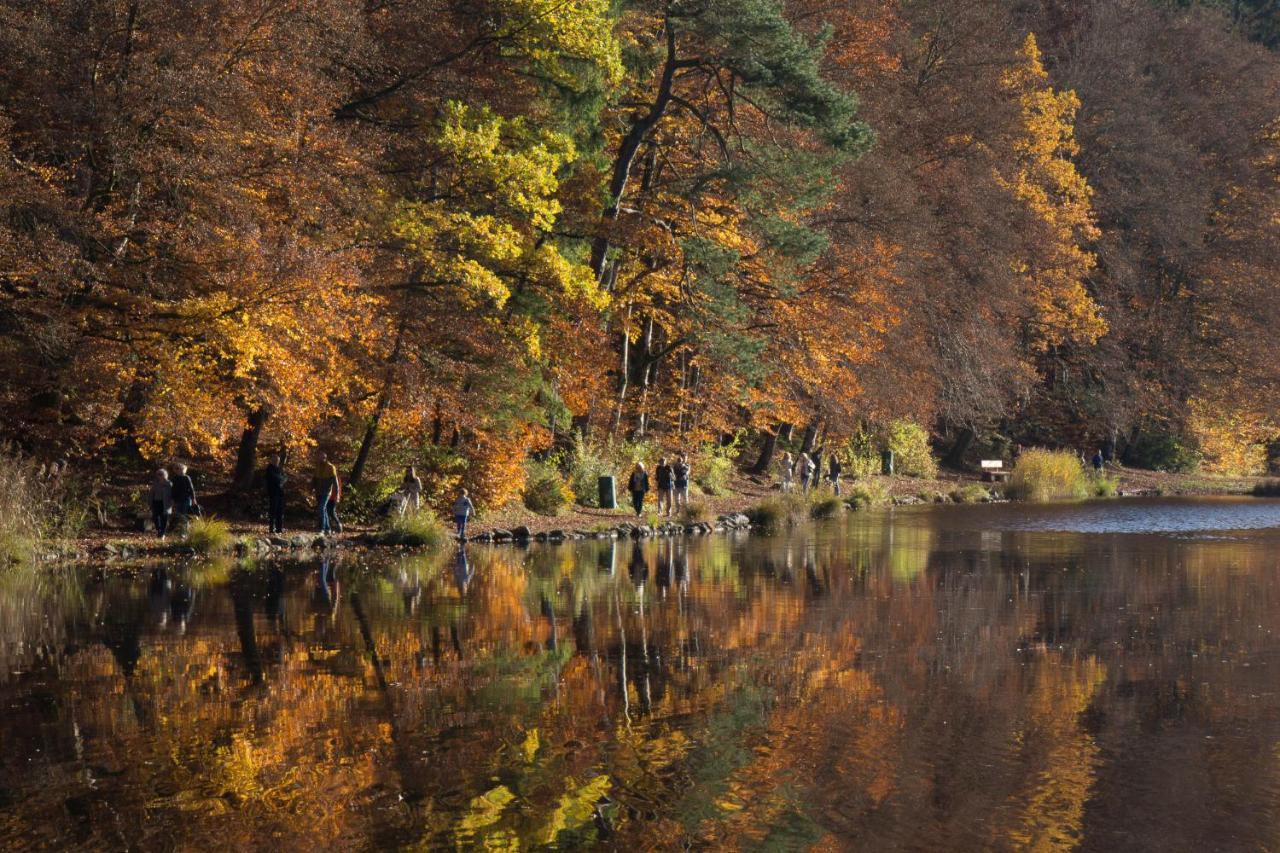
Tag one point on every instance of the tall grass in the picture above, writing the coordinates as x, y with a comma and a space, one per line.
1049, 475
970, 494
209, 535
780, 510
865, 494
414, 529
35, 510
824, 504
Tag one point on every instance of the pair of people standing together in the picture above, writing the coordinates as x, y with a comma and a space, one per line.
672, 483
174, 496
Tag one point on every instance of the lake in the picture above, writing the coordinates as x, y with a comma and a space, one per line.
1097, 676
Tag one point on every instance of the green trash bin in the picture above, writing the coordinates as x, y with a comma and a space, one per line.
886, 463
608, 496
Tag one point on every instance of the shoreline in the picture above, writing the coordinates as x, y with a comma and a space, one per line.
724, 513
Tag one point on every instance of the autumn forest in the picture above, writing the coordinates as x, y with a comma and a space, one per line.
460, 231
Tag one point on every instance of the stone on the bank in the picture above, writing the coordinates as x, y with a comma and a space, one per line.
521, 533
500, 535
278, 541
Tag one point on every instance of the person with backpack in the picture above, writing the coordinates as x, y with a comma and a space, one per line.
274, 478
663, 475
806, 471
638, 486
681, 472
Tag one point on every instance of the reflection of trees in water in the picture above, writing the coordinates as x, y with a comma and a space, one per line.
881, 681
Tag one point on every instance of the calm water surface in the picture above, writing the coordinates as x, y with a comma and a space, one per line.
1098, 676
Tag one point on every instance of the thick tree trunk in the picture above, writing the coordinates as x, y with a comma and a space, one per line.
768, 447
247, 452
810, 437
955, 456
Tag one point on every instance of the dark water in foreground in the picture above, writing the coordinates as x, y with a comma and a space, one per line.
993, 677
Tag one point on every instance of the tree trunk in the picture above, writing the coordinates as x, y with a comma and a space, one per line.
955, 456
247, 453
624, 371
627, 151
646, 376
810, 436
384, 400
768, 446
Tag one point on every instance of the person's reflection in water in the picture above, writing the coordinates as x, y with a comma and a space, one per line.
410, 588
816, 586
639, 567
550, 613
680, 565
273, 604
462, 570
158, 589
325, 596
666, 567
182, 603
243, 592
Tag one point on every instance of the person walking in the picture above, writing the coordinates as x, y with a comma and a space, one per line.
787, 470
184, 493
806, 471
161, 501
275, 479
663, 475
328, 490
463, 509
681, 471
638, 485
835, 469
1098, 461
411, 487
816, 480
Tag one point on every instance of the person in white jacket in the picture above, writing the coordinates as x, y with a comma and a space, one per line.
787, 468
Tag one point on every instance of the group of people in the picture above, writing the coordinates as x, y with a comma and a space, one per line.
807, 468
671, 480
172, 497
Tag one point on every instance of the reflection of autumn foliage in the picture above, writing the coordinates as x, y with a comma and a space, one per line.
888, 683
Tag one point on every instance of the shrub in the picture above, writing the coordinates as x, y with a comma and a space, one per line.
209, 535
414, 529
768, 515
34, 509
696, 511
866, 494
970, 494
1105, 487
909, 442
713, 467
361, 503
587, 463
1048, 475
1162, 451
824, 505
545, 491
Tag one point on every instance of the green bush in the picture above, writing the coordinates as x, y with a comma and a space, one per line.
1162, 451
587, 463
414, 529
1105, 487
696, 511
970, 494
782, 509
824, 505
1048, 475
912, 455
866, 494
713, 467
545, 491
209, 535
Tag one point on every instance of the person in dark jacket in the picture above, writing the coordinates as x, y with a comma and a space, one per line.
835, 469
816, 456
275, 479
638, 485
1098, 461
664, 475
680, 473
184, 493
